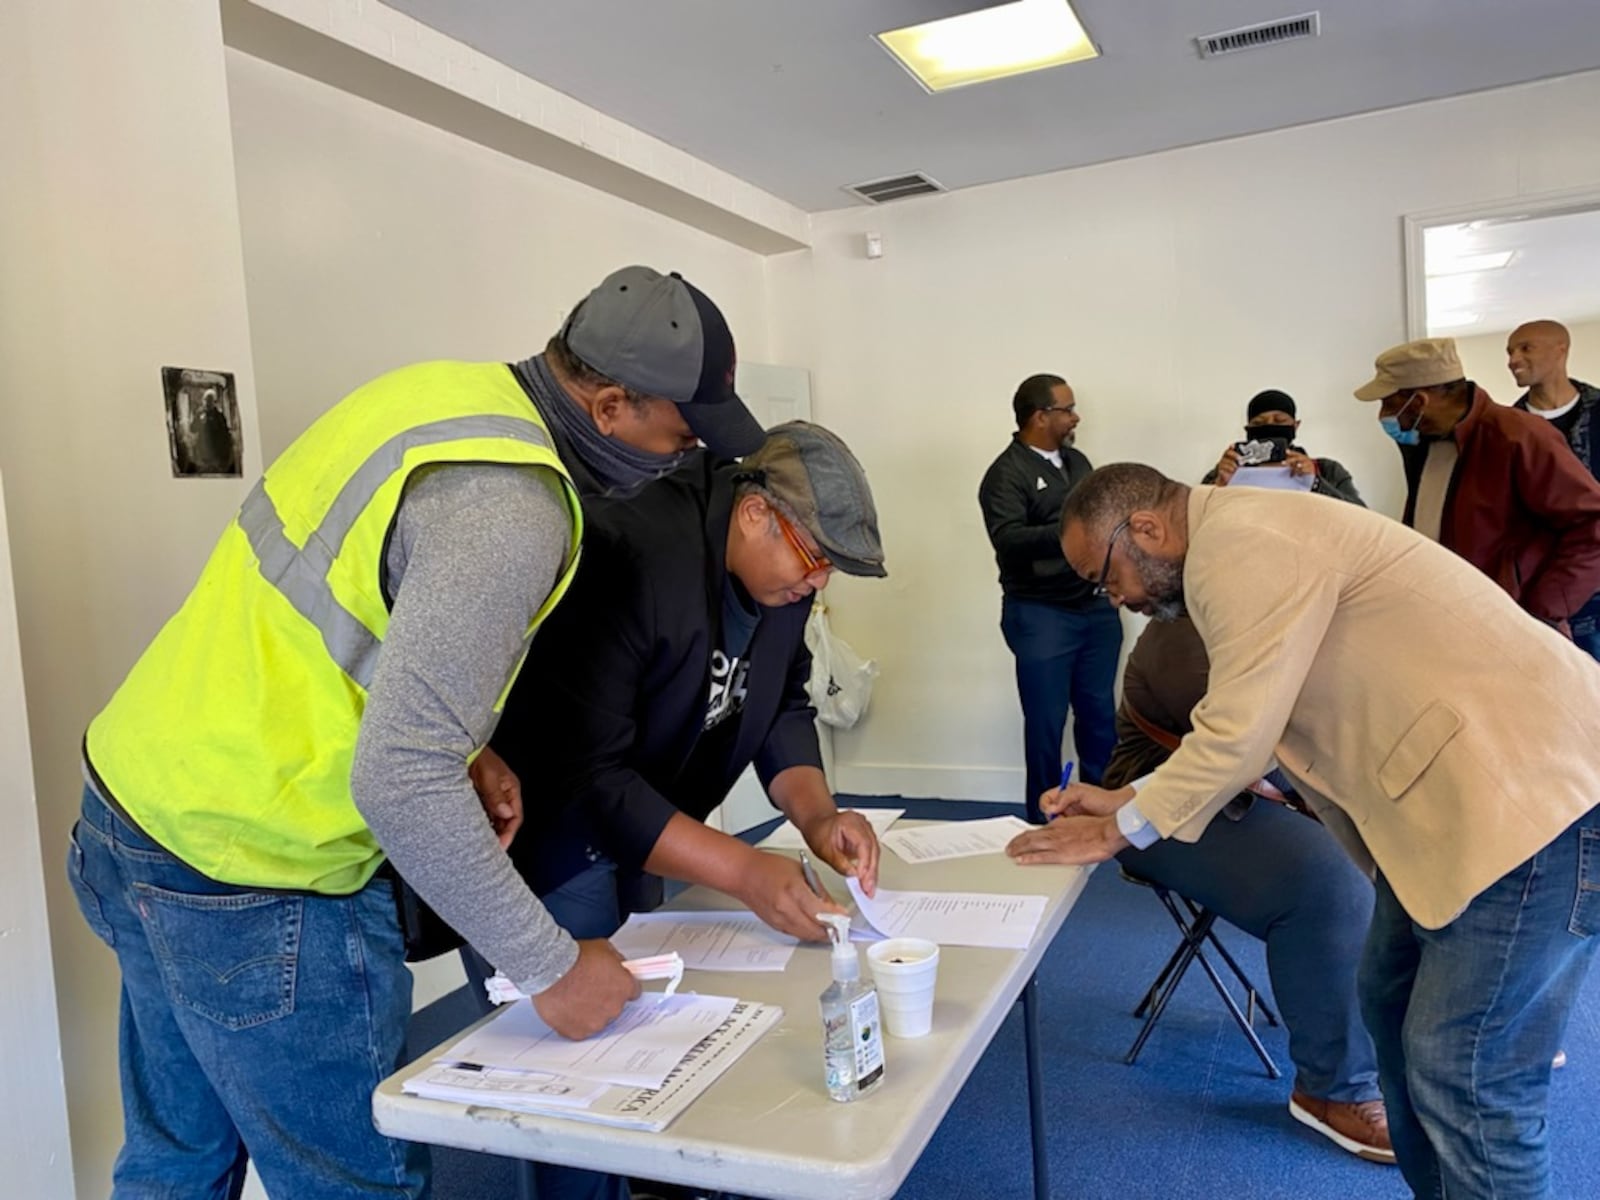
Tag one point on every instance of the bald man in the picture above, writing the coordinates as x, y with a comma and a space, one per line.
1536, 353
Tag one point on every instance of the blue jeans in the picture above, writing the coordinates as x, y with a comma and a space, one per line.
1467, 1018
1282, 878
586, 906
1066, 658
254, 1025
1586, 627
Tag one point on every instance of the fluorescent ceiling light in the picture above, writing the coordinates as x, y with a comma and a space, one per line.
1452, 320
992, 43
1463, 264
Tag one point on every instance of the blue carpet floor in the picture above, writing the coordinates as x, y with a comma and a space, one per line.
1195, 1118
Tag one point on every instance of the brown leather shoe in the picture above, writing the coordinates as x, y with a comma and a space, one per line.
1361, 1128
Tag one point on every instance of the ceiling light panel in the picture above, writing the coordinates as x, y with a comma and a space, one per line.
992, 43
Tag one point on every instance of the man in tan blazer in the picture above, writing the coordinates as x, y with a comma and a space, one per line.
1442, 734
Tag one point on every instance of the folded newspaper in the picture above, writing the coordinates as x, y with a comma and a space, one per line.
545, 1093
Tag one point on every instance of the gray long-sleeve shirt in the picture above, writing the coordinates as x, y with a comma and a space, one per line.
475, 551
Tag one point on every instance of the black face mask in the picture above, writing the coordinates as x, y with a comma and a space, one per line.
1269, 433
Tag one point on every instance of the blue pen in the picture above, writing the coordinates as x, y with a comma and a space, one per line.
1066, 773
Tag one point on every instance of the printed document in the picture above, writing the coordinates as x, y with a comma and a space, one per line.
707, 941
787, 837
637, 1050
952, 918
605, 1104
954, 839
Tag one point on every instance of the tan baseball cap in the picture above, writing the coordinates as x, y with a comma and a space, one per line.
1424, 363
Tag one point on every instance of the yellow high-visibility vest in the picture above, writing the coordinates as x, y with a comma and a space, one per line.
231, 740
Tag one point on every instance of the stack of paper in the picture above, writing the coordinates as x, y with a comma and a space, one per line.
952, 918
640, 1074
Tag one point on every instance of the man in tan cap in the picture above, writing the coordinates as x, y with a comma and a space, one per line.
1497, 486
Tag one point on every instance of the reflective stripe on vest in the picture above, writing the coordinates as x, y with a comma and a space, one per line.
301, 573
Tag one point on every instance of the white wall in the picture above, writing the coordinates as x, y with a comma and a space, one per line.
119, 253
1167, 289
1484, 358
33, 1098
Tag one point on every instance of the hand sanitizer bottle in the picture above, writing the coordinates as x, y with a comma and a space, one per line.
851, 1033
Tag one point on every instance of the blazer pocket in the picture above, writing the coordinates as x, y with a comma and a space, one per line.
1417, 748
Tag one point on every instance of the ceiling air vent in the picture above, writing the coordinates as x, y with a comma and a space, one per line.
1255, 37
897, 187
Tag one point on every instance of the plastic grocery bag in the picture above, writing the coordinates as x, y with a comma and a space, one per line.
841, 680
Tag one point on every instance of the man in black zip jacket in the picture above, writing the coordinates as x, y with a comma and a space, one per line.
1065, 638
678, 660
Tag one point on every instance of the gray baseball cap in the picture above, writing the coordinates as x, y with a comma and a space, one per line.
660, 335
814, 474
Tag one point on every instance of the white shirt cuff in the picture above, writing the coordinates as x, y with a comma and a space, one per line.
1131, 823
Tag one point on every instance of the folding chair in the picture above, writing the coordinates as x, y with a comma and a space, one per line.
1195, 925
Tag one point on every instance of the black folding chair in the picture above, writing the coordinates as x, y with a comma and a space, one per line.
1196, 924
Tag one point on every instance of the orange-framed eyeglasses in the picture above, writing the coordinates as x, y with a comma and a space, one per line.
812, 562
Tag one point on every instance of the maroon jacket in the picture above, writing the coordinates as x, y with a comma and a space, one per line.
1521, 508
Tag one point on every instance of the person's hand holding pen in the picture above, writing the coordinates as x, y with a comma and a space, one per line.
1082, 827
786, 894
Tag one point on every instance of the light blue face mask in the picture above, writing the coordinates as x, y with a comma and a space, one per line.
1391, 426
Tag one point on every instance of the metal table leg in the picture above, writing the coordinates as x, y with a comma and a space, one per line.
1030, 1039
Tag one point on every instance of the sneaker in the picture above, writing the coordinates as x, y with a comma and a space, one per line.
1362, 1128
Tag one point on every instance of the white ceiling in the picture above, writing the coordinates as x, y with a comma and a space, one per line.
795, 97
1554, 272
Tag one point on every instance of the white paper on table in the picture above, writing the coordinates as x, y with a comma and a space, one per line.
787, 837
469, 1084
1277, 478
707, 941
953, 918
954, 839
637, 1050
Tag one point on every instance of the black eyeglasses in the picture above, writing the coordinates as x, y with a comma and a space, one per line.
1100, 584
1060, 408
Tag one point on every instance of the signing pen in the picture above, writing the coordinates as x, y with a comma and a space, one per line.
1066, 773
810, 873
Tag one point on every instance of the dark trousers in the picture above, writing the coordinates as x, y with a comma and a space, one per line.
1066, 658
1281, 877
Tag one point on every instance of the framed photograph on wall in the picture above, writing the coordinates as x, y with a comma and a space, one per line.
202, 423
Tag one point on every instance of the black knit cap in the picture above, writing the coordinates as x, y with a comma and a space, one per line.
1271, 400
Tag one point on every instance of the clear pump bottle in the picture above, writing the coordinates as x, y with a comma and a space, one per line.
851, 1031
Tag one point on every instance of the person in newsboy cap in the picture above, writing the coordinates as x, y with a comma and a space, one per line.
682, 658
1499, 487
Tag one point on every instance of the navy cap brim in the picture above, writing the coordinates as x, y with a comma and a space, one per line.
726, 426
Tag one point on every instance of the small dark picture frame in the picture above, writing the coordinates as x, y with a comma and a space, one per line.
203, 430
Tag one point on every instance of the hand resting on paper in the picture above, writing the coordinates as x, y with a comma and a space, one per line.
590, 996
1070, 841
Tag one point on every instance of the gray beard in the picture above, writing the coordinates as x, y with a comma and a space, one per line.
1163, 584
